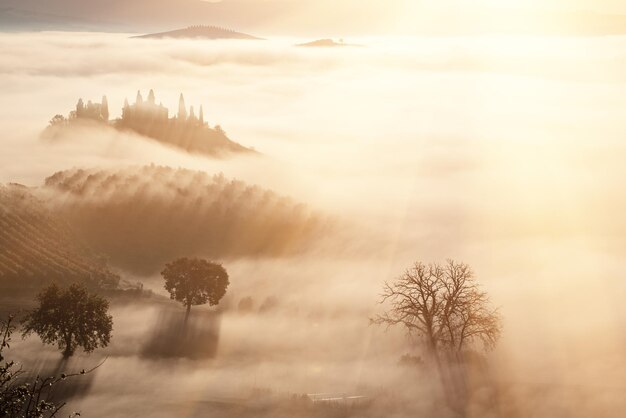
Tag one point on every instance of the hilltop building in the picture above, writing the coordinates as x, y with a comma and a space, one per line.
187, 129
96, 111
149, 110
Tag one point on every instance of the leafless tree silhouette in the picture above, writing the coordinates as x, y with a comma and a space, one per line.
442, 304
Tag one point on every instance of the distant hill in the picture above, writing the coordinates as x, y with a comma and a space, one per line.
201, 32
37, 247
147, 16
326, 43
187, 130
143, 217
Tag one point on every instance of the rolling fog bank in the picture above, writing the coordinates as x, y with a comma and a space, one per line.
505, 153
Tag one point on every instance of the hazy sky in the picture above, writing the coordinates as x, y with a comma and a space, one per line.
297, 17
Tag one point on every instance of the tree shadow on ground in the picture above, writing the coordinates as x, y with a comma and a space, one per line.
172, 337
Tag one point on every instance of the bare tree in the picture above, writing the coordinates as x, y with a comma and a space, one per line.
442, 304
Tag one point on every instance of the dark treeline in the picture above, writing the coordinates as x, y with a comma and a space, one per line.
144, 217
186, 130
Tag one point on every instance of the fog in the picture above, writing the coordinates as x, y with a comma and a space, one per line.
505, 153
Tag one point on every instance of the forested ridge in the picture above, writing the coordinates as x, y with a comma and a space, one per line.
186, 130
142, 217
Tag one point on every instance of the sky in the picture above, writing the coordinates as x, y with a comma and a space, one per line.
312, 18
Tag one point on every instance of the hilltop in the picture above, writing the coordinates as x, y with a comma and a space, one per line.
201, 32
326, 43
185, 130
143, 217
138, 218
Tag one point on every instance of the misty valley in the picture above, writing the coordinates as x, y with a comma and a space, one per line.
382, 226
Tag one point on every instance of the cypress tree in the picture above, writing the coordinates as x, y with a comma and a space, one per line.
104, 109
80, 108
182, 111
126, 110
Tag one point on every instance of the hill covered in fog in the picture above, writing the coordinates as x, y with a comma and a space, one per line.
143, 217
200, 32
186, 130
326, 43
37, 247
306, 18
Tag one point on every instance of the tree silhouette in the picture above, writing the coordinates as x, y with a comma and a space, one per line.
70, 318
104, 109
57, 120
182, 110
195, 282
151, 98
220, 130
80, 107
28, 398
126, 110
443, 305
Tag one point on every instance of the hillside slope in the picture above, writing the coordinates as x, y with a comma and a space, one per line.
36, 247
327, 43
184, 131
143, 217
200, 32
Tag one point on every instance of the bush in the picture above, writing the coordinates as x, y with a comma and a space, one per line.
22, 398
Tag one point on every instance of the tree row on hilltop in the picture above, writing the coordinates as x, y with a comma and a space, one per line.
145, 216
186, 130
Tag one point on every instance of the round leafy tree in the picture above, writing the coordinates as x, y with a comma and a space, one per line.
71, 318
195, 282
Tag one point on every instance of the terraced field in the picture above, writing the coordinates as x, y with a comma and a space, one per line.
36, 247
